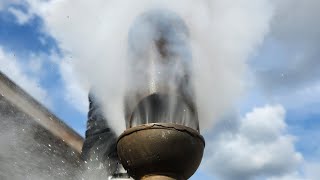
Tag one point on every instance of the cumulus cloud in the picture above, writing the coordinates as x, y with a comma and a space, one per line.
292, 176
312, 170
21, 16
295, 34
303, 100
75, 91
259, 147
15, 70
4, 4
309, 171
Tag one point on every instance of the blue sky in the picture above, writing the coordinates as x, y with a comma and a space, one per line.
283, 84
25, 41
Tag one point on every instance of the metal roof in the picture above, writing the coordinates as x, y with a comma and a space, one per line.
40, 114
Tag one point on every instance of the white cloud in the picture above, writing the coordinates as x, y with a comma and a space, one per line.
75, 91
300, 99
260, 147
286, 67
21, 17
264, 124
4, 4
309, 171
295, 30
312, 170
14, 69
292, 176
35, 65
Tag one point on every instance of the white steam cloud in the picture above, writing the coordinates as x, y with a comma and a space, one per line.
223, 34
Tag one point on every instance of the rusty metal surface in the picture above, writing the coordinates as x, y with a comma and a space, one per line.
161, 149
158, 177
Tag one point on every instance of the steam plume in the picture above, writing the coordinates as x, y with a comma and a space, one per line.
222, 36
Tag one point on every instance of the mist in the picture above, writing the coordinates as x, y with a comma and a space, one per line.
28, 151
223, 34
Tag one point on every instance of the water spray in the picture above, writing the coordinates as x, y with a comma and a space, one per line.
162, 139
